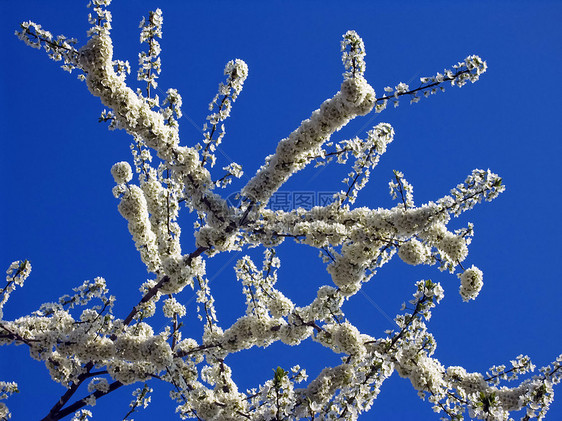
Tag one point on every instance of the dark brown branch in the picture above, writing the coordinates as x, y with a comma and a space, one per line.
81, 403
55, 410
422, 87
152, 291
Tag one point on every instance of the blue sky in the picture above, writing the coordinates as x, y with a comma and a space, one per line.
58, 210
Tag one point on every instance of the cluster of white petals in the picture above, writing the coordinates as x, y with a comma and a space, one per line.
82, 415
471, 283
122, 172
220, 107
133, 208
173, 308
79, 336
356, 97
353, 54
16, 274
6, 389
413, 252
468, 70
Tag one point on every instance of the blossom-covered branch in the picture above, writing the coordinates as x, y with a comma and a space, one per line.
81, 341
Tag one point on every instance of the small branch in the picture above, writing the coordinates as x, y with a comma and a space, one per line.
81, 403
152, 291
55, 410
422, 87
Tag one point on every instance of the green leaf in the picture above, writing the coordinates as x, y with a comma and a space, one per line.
278, 375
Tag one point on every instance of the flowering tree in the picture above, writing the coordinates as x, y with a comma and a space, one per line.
88, 348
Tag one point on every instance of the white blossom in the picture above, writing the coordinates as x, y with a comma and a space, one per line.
122, 172
171, 308
471, 283
413, 252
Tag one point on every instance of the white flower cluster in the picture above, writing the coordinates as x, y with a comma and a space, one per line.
468, 70
365, 238
279, 394
121, 68
172, 308
353, 242
521, 365
353, 55
59, 48
149, 62
173, 104
82, 415
367, 154
471, 283
6, 389
356, 97
454, 246
179, 273
163, 206
477, 186
98, 383
133, 208
413, 252
142, 399
101, 22
233, 170
258, 286
83, 295
403, 188
16, 274
65, 344
122, 172
236, 72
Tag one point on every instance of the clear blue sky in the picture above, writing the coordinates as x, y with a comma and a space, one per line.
58, 210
